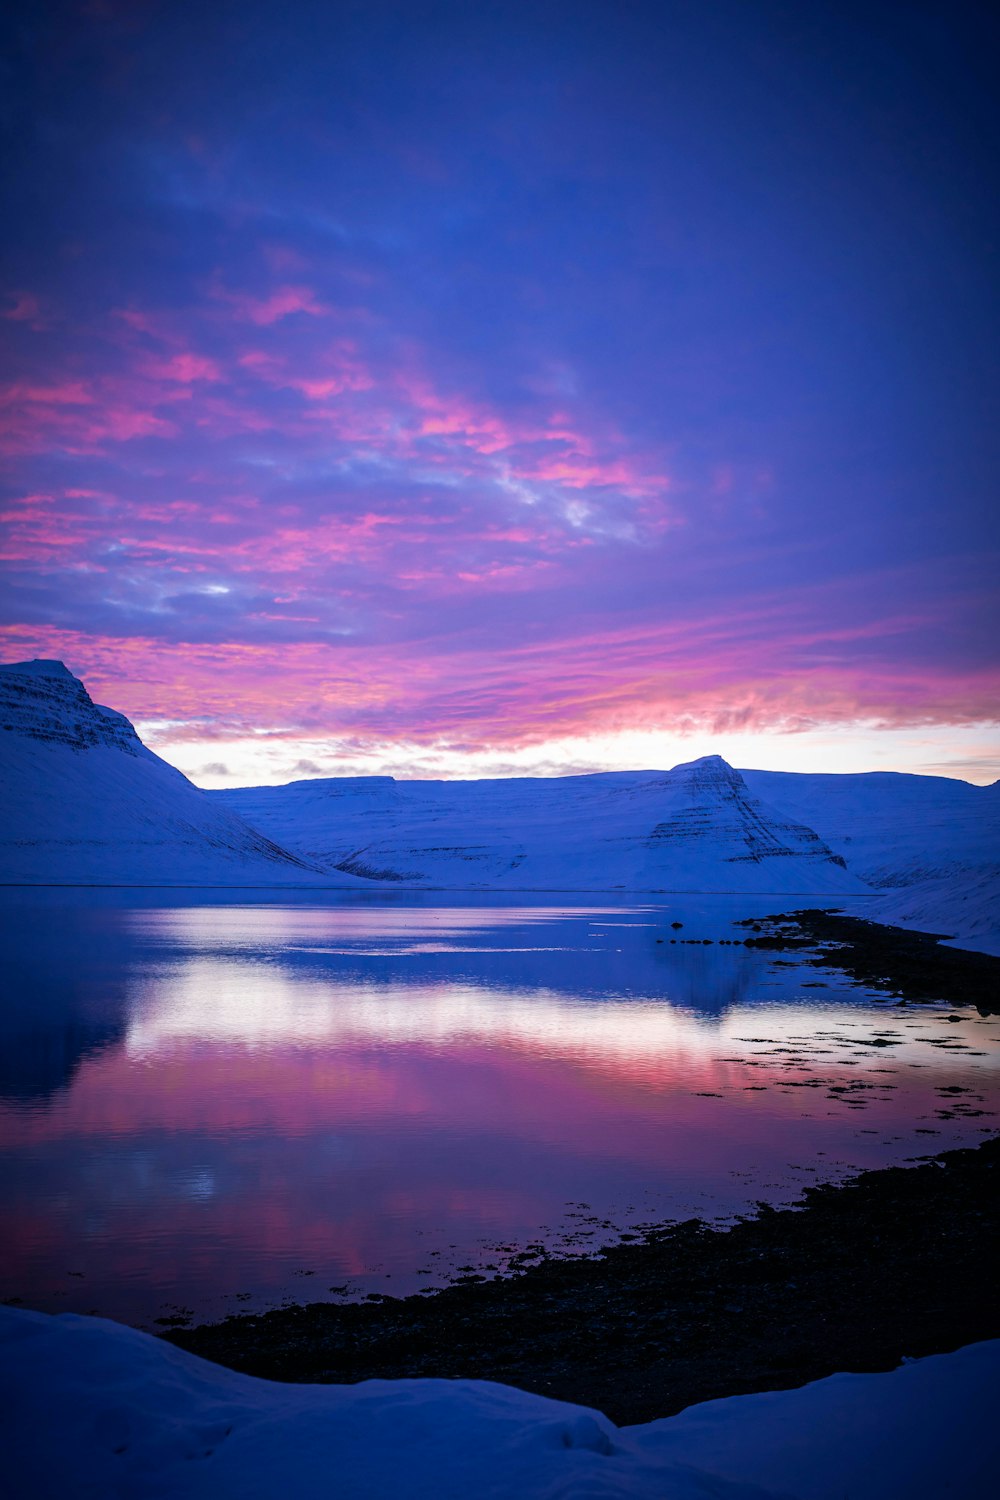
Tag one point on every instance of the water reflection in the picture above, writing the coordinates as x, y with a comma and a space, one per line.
209, 1103
574, 952
64, 992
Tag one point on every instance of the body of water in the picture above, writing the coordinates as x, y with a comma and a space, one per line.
217, 1104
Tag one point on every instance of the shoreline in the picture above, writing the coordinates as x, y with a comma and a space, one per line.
892, 1263
904, 962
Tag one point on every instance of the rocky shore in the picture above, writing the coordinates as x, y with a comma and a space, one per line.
892, 1263
913, 966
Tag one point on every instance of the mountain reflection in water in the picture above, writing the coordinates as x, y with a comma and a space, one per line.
216, 1105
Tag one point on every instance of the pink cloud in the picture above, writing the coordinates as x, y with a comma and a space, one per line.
37, 427
121, 424
332, 385
36, 528
580, 473
220, 416
336, 368
745, 668
283, 258
281, 303
270, 367
383, 408
26, 309
183, 368
164, 328
553, 450
64, 393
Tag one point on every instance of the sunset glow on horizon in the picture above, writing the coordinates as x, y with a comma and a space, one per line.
449, 391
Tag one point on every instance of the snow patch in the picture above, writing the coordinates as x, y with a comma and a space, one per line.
91, 1408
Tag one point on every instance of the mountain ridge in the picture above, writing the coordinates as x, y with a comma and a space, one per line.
87, 803
688, 828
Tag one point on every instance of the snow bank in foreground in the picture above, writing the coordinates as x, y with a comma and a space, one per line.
924, 1431
93, 1409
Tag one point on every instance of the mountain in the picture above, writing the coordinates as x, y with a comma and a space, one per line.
695, 828
85, 803
931, 843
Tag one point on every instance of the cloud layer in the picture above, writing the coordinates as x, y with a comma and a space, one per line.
459, 382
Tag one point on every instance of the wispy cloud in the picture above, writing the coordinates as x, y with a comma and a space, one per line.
272, 307
423, 395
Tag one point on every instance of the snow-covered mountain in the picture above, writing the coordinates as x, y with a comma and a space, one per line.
695, 828
930, 843
84, 801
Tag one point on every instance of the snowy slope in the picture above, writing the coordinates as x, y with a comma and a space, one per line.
91, 1409
930, 842
964, 906
84, 801
695, 828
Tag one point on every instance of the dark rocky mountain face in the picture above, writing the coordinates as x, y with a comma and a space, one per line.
44, 701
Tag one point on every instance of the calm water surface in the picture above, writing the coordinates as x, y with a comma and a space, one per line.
208, 1106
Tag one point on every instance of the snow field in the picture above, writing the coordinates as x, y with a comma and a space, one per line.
95, 1410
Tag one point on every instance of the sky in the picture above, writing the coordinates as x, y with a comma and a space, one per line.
490, 389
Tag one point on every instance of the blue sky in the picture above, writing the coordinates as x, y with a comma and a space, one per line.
466, 387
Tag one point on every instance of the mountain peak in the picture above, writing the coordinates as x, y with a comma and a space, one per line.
709, 771
42, 700
85, 802
707, 763
39, 667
